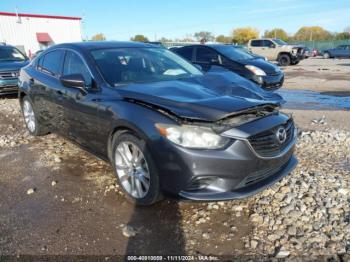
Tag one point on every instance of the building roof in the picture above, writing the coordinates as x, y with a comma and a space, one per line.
40, 16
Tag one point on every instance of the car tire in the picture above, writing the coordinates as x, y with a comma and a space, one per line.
139, 179
30, 118
284, 60
326, 55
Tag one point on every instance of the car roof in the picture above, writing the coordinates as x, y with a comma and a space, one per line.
91, 45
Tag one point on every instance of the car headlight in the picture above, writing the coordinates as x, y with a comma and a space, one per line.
255, 70
192, 136
294, 51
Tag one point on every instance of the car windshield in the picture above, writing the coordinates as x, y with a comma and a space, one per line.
235, 53
133, 65
279, 42
9, 53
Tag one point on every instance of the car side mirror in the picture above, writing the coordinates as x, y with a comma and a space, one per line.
74, 81
272, 46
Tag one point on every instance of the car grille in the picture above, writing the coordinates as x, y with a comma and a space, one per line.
266, 144
9, 75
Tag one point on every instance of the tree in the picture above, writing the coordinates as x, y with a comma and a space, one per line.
139, 38
98, 37
223, 39
164, 40
310, 33
342, 36
244, 34
276, 33
207, 36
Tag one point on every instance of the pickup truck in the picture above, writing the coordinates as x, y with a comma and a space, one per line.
277, 50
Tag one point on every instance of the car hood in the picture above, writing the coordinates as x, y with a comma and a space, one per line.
12, 65
210, 97
264, 65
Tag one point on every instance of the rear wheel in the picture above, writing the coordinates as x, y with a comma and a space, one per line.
135, 170
284, 60
30, 118
326, 55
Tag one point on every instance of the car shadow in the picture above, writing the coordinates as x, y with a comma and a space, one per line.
158, 230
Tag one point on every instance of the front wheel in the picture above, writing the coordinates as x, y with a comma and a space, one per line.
284, 60
30, 118
135, 170
326, 55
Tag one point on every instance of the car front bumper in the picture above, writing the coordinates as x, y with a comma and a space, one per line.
273, 82
237, 171
8, 86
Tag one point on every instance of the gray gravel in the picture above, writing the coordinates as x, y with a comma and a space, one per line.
307, 213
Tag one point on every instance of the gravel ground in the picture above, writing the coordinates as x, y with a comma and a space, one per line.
327, 76
58, 199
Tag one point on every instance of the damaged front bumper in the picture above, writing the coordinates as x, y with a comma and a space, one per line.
239, 170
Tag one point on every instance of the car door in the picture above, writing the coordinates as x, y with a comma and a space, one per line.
206, 57
81, 108
46, 89
347, 51
338, 51
268, 49
257, 47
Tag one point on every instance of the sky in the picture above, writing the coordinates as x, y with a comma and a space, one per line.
121, 19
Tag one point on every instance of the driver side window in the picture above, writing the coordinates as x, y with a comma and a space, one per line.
206, 55
268, 43
74, 65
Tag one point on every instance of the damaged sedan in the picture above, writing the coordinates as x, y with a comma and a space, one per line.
164, 125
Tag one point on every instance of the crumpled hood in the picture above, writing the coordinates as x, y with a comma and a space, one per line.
208, 98
12, 65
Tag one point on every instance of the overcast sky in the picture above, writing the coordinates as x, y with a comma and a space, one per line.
120, 19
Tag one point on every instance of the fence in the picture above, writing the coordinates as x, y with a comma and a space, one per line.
321, 45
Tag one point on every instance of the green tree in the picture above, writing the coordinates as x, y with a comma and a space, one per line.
139, 38
164, 40
98, 37
342, 36
223, 39
244, 34
207, 36
310, 33
276, 33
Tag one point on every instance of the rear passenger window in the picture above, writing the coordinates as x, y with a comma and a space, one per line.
185, 53
52, 62
74, 65
256, 43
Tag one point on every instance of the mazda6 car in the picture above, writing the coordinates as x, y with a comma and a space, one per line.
165, 126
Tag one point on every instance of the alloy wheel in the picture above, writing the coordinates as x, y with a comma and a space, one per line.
132, 169
29, 116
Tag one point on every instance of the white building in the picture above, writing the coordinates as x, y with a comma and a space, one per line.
33, 32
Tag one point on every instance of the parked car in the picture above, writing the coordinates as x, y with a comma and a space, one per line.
342, 51
11, 60
235, 59
163, 125
277, 50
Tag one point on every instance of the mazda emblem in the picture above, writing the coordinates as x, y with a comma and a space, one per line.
281, 135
